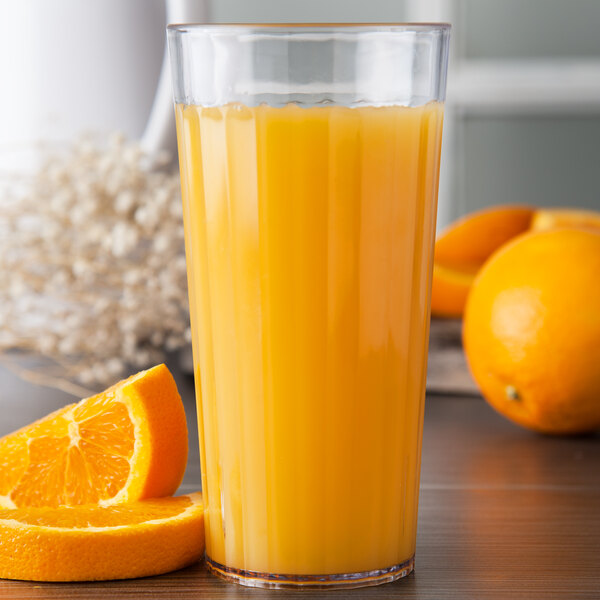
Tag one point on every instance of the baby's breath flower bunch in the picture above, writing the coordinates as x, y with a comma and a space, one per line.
92, 263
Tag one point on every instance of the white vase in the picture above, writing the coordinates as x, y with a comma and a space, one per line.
73, 66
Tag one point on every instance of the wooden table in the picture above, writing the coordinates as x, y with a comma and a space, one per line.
504, 513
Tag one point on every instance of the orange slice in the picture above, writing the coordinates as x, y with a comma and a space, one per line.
91, 542
464, 246
124, 444
450, 289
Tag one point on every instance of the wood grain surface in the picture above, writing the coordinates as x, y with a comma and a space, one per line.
504, 513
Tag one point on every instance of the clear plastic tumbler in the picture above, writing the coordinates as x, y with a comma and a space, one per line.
309, 160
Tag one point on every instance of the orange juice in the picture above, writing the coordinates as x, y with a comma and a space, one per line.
309, 237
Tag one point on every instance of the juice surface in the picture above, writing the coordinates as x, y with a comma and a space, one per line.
309, 239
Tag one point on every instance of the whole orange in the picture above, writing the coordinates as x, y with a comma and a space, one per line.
531, 330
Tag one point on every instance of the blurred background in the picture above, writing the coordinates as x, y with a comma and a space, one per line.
523, 108
522, 127
523, 103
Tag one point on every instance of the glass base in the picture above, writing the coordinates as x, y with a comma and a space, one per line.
330, 582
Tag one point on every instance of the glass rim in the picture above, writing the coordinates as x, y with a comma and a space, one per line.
324, 28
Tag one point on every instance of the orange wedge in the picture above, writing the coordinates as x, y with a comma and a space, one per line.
124, 444
91, 542
464, 246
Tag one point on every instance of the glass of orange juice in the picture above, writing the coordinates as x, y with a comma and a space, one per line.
309, 160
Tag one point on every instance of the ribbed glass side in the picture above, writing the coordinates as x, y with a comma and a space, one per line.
309, 239
310, 65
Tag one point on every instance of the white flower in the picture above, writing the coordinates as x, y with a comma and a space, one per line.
124, 239
92, 265
124, 202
